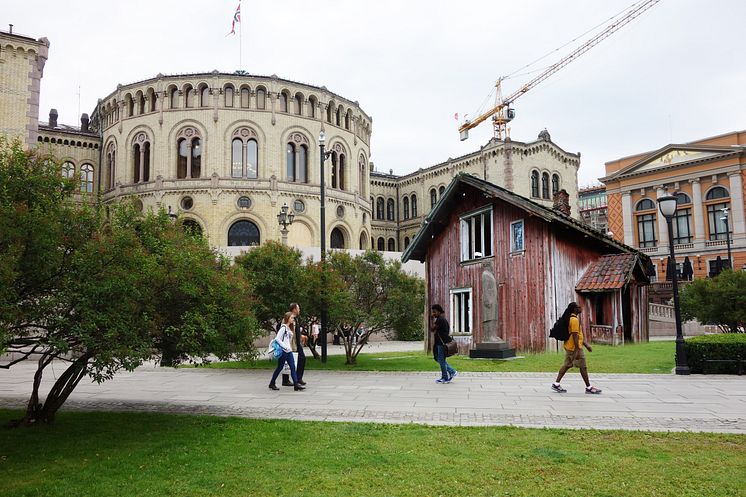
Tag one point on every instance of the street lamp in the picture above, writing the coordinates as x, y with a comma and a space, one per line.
324, 309
727, 235
285, 219
172, 216
667, 206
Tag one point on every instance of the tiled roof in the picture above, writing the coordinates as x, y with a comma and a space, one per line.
610, 272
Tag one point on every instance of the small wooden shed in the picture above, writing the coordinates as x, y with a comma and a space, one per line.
537, 259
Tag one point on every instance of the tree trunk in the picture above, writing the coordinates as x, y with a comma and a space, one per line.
37, 412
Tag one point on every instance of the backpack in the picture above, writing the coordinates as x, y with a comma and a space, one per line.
274, 351
560, 331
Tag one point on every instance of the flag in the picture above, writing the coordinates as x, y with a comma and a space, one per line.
455, 116
236, 18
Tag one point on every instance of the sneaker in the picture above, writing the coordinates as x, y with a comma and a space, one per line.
592, 390
558, 388
453, 375
442, 380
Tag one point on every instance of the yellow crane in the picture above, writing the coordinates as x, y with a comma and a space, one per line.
502, 113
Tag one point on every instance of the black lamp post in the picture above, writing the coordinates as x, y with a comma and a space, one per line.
324, 308
667, 206
285, 219
172, 216
727, 236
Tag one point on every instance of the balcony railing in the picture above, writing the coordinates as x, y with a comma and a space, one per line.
606, 335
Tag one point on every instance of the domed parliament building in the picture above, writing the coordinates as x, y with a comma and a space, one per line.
226, 151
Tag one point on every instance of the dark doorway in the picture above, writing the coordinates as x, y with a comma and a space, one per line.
627, 315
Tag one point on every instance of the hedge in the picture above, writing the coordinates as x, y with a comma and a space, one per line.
727, 347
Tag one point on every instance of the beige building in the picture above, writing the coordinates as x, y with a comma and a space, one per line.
225, 152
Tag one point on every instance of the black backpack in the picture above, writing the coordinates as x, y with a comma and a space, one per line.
560, 331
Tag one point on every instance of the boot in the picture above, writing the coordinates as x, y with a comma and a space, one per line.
298, 386
272, 386
286, 380
302, 382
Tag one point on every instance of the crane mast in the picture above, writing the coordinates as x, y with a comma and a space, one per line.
502, 113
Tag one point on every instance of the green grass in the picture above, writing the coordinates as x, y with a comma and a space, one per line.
652, 357
118, 454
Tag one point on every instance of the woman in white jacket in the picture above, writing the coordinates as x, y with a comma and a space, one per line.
284, 338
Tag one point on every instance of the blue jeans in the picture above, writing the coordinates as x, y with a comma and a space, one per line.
446, 370
285, 356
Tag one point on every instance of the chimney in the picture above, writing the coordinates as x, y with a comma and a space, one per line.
562, 202
84, 121
53, 118
11, 29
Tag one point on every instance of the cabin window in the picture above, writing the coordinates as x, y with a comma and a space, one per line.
476, 235
516, 236
461, 311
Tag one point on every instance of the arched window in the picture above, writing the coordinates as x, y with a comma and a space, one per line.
243, 234
682, 198
188, 153
151, 99
347, 120
414, 205
441, 190
381, 244
361, 175
283, 102
717, 192
68, 170
130, 106
141, 158
297, 158
329, 111
433, 198
406, 242
535, 184
312, 103
337, 239
298, 104
111, 165
261, 99
290, 162
173, 99
334, 169
341, 174
188, 96
555, 184
192, 227
379, 208
545, 185
338, 116
406, 207
390, 209
245, 98
645, 205
244, 154
140, 104
392, 245
204, 97
228, 96
363, 241
718, 199
303, 164
86, 178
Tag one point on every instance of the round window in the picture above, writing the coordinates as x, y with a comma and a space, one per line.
187, 203
244, 202
299, 206
340, 211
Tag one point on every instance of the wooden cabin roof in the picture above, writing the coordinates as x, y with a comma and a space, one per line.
612, 272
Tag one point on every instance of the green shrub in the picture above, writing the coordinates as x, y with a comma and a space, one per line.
723, 347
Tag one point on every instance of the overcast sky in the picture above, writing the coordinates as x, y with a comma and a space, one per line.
675, 74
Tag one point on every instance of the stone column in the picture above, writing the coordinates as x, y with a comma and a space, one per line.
662, 226
628, 219
697, 216
736, 204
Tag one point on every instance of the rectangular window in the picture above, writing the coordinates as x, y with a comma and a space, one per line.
646, 230
516, 236
461, 317
682, 226
716, 222
475, 233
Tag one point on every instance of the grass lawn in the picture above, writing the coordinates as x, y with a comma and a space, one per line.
118, 454
652, 357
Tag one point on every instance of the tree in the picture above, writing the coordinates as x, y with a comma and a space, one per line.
103, 295
368, 294
720, 300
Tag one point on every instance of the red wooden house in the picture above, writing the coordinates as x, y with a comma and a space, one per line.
541, 260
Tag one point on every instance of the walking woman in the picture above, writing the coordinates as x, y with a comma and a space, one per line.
442, 336
574, 354
284, 338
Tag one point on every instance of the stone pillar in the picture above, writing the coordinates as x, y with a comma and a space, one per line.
662, 226
628, 219
697, 216
736, 204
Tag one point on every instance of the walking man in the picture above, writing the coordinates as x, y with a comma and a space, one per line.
441, 336
574, 354
301, 366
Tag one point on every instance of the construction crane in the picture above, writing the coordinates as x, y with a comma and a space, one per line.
502, 113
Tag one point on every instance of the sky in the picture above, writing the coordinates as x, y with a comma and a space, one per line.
673, 75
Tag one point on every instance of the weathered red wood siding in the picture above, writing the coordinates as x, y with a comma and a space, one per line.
534, 287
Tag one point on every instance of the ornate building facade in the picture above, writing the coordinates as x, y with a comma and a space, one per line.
225, 152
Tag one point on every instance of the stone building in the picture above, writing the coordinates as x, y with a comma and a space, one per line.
226, 151
592, 207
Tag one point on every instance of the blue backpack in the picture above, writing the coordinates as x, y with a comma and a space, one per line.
276, 349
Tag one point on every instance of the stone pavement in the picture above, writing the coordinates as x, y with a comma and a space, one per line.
629, 401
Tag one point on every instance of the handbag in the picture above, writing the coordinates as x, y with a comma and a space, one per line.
450, 348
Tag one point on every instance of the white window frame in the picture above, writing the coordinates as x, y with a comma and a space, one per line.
467, 240
514, 249
462, 319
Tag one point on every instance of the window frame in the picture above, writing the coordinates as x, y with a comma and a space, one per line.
514, 248
462, 311
473, 233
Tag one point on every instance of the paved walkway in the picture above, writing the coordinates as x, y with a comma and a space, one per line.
633, 402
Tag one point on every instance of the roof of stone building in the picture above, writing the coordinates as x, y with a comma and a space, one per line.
610, 272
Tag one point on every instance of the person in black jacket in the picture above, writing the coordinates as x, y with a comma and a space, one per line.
441, 336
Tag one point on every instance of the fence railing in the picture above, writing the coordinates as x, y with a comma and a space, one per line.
606, 334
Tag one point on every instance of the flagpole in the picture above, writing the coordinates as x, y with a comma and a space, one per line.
240, 43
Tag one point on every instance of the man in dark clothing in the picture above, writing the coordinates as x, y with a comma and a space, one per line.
441, 336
